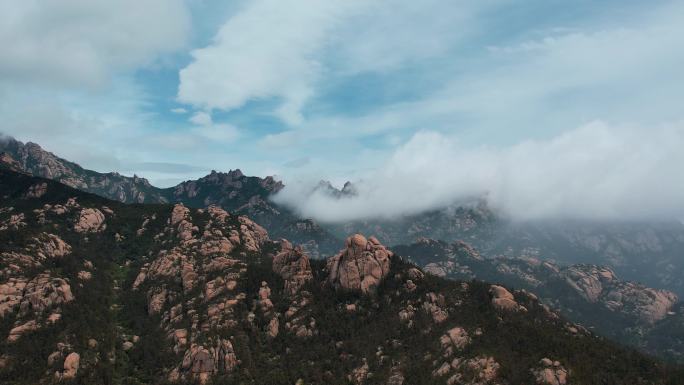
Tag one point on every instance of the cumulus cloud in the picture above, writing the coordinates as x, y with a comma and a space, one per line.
81, 42
265, 50
597, 171
284, 50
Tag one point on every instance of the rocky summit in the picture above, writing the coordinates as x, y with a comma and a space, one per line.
95, 291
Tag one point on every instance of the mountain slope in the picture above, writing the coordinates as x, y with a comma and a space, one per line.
591, 295
97, 292
233, 191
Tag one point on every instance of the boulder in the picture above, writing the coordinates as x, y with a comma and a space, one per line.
550, 373
71, 364
503, 299
293, 266
360, 266
89, 221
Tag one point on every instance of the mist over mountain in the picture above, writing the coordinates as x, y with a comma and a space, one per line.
595, 172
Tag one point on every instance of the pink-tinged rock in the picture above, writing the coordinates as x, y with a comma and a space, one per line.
502, 299
178, 213
455, 339
156, 301
550, 373
89, 221
85, 275
273, 327
37, 190
50, 246
252, 235
360, 266
293, 266
22, 329
11, 294
43, 292
71, 365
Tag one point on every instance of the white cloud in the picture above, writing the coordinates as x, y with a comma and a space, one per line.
82, 42
265, 50
201, 118
179, 110
223, 133
596, 171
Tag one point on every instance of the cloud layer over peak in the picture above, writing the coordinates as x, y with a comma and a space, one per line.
596, 171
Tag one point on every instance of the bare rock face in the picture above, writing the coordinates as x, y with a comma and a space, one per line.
293, 265
178, 213
455, 339
550, 373
360, 266
71, 364
89, 221
273, 327
253, 235
20, 330
37, 190
600, 285
480, 370
434, 307
43, 292
11, 293
502, 299
359, 375
201, 363
396, 376
588, 282
50, 246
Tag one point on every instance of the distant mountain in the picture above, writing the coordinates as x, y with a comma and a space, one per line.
591, 295
232, 191
93, 291
31, 158
648, 252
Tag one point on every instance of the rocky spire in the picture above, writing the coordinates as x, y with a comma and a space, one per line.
361, 265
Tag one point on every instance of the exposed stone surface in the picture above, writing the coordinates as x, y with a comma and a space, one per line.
71, 365
434, 306
31, 158
503, 299
90, 220
293, 265
20, 330
85, 275
43, 292
601, 285
201, 363
11, 293
360, 266
37, 190
550, 373
454, 340
359, 375
50, 246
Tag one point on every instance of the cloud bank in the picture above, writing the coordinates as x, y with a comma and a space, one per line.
597, 171
77, 42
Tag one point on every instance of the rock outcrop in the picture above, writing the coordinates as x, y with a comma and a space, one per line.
550, 373
601, 285
90, 220
503, 299
293, 265
360, 266
71, 365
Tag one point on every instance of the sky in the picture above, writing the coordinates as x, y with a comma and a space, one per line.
546, 107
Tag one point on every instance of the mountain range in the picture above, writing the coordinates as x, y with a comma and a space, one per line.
108, 279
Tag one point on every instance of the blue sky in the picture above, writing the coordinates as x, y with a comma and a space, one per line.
170, 89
